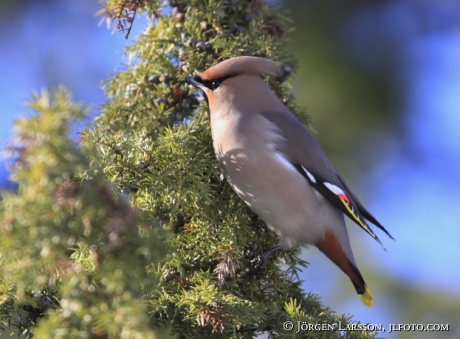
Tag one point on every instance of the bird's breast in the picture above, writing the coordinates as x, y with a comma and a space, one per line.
265, 179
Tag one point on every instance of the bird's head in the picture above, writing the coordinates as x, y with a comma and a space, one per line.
234, 78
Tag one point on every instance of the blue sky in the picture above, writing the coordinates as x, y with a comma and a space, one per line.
415, 188
43, 48
419, 178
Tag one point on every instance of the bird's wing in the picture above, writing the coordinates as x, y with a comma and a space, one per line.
337, 197
304, 152
364, 212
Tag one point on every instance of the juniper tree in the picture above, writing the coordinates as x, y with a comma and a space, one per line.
134, 231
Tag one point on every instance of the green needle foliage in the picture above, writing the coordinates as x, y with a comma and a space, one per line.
134, 232
71, 246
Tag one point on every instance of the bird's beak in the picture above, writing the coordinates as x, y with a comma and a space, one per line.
194, 81
197, 83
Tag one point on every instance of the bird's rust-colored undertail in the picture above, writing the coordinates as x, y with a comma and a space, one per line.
331, 247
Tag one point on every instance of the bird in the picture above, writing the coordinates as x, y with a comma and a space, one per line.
275, 165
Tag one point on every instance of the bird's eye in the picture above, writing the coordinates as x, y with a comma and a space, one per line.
215, 84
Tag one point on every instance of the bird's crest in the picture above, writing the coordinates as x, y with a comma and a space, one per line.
243, 65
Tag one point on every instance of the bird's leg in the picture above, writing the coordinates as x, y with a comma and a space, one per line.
260, 261
251, 250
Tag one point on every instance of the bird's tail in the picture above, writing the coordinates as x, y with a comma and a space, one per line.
332, 248
366, 297
364, 293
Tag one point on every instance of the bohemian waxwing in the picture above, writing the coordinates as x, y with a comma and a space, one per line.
276, 166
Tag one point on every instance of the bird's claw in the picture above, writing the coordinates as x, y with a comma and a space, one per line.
260, 262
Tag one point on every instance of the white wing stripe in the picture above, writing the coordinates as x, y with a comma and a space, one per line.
333, 188
310, 176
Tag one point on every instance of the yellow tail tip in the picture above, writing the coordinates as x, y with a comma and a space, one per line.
366, 297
